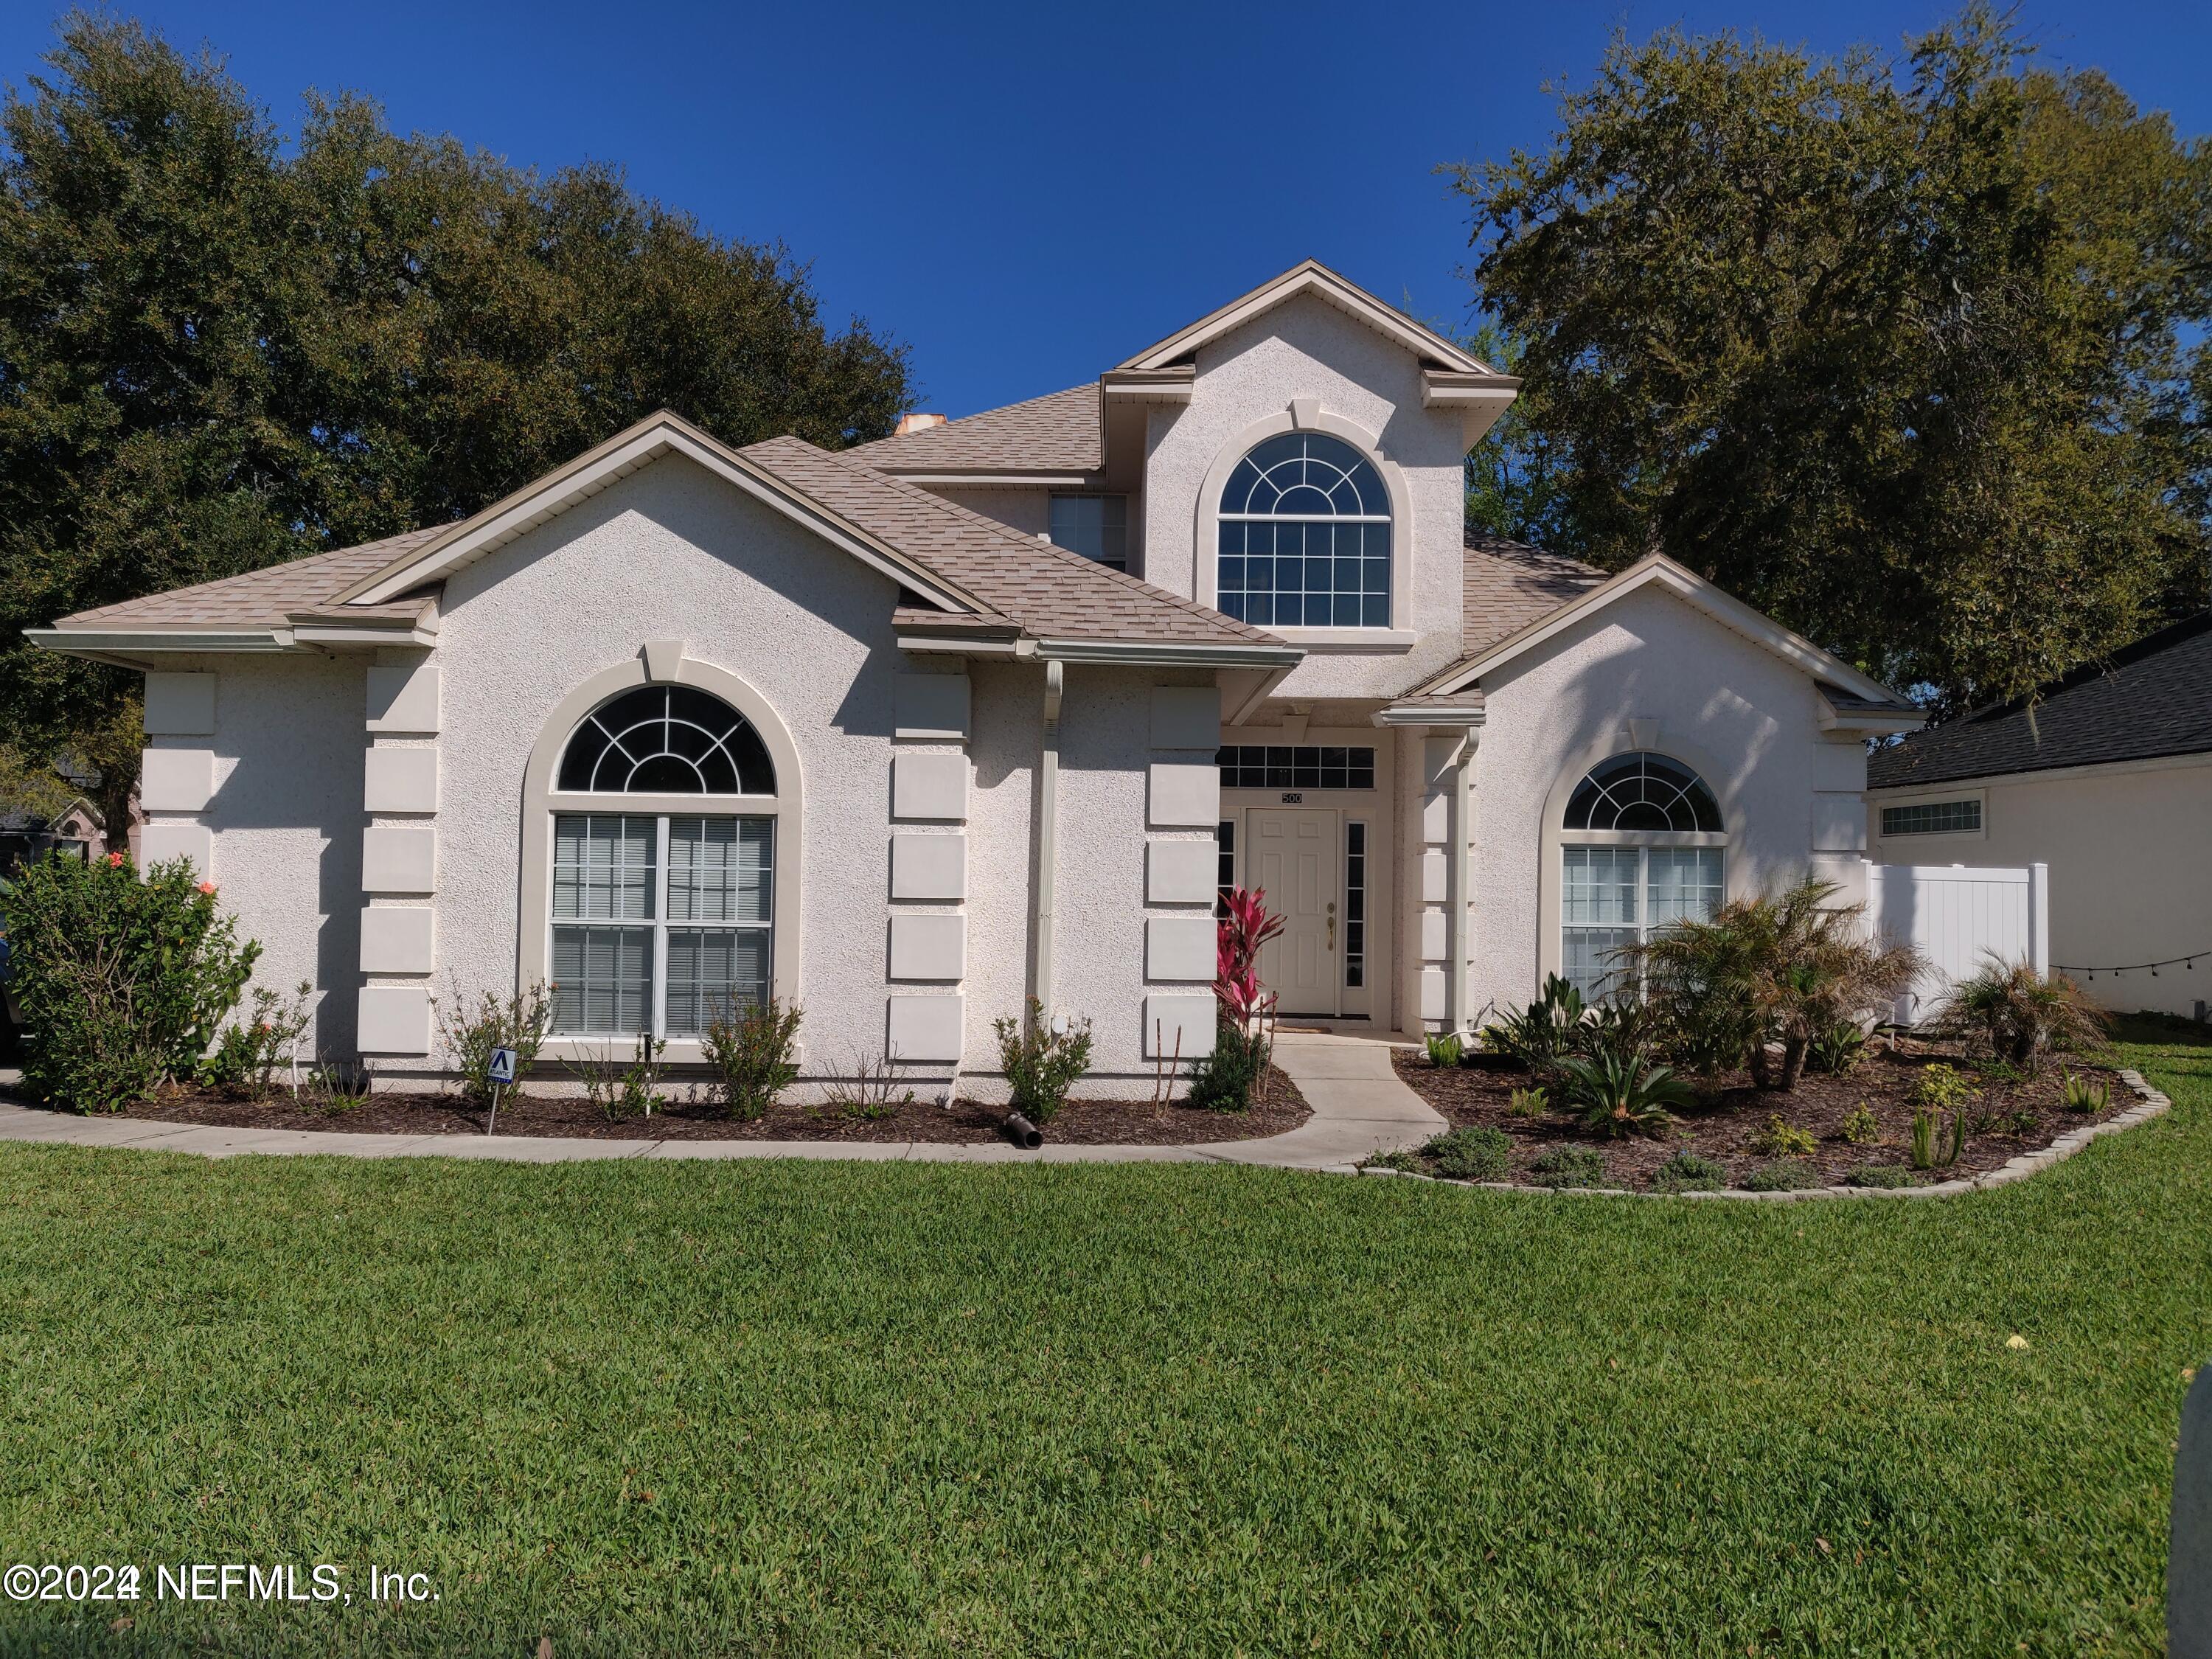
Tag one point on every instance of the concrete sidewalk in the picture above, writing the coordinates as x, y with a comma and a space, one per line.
1359, 1108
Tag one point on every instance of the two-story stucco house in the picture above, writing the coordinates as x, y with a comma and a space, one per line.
989, 710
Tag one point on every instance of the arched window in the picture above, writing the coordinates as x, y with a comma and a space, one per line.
663, 920
1643, 848
1305, 537
666, 740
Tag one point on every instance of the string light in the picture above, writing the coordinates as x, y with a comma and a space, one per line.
2188, 963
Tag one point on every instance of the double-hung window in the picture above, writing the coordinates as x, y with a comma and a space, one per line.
662, 921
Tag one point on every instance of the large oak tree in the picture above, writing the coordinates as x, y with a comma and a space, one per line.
1907, 353
219, 348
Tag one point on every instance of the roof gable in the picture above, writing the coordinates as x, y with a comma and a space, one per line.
1656, 569
1311, 277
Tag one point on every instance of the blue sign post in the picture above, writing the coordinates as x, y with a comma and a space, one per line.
501, 1071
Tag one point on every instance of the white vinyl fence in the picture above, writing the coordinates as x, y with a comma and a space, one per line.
1956, 916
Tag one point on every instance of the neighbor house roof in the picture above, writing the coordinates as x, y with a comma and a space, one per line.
1058, 433
2152, 700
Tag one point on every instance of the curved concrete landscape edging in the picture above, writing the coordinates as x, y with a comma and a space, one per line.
1359, 1109
2150, 1103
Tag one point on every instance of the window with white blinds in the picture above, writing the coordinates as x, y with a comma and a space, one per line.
661, 922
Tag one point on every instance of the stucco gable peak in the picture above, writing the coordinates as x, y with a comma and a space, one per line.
1657, 570
1310, 277
660, 435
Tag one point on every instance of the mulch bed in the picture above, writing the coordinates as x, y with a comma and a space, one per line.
1723, 1126
1277, 1106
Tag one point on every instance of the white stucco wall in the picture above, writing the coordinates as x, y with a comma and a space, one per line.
1746, 722
286, 821
672, 553
2129, 881
1308, 348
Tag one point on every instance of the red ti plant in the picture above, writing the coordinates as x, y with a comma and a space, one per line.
1245, 927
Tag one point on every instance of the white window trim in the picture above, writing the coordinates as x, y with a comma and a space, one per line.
541, 801
1400, 634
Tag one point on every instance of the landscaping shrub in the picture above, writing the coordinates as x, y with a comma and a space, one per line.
471, 1030
2082, 1095
1541, 1033
1528, 1102
1784, 1174
622, 1089
872, 1093
2022, 1015
1779, 969
1481, 1153
248, 1052
752, 1049
1861, 1126
1443, 1051
1042, 1065
1943, 1088
1571, 1166
1883, 1175
1401, 1159
1617, 1093
1781, 1139
1223, 1080
122, 983
1938, 1137
1837, 1050
1685, 1172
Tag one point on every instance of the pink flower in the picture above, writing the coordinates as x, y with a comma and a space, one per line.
207, 887
115, 861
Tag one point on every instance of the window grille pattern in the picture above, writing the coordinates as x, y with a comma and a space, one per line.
1355, 904
1936, 818
1305, 537
1302, 766
1642, 791
666, 740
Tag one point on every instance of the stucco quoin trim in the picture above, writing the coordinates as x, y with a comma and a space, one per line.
534, 898
1551, 878
1207, 551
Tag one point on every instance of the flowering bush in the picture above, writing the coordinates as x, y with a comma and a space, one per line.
122, 983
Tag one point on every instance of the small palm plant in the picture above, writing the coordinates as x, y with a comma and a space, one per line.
2021, 1014
1617, 1093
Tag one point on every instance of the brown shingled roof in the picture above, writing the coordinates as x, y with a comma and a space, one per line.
1508, 584
1057, 433
1052, 592
266, 597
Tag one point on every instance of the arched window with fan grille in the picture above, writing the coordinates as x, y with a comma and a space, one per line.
1643, 846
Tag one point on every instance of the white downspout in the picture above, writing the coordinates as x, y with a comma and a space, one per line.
1459, 882
1047, 844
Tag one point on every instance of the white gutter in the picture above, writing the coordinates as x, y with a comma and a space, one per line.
1163, 654
1047, 842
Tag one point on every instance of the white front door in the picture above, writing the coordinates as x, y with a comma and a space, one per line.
1295, 859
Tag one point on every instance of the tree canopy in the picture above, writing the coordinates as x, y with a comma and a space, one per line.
1908, 353
221, 348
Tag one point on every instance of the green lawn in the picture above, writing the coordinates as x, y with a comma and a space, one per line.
711, 1408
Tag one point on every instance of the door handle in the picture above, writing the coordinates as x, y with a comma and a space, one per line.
1332, 924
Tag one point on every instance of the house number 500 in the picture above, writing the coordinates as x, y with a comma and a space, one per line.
1293, 797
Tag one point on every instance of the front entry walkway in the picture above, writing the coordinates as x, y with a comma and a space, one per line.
1359, 1108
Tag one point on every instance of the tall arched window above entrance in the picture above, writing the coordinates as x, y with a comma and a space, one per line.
1305, 537
663, 884
1641, 845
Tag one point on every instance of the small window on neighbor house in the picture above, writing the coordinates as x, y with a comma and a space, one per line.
1097, 526
1935, 817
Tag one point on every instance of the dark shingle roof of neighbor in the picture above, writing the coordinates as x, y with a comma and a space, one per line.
2152, 699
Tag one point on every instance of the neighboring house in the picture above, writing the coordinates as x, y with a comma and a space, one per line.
25, 835
2105, 776
987, 710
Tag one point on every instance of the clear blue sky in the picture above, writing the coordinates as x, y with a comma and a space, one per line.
1026, 194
